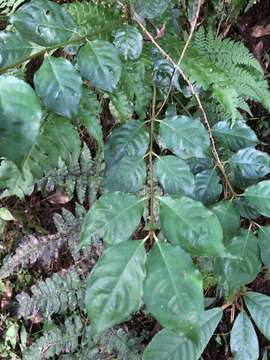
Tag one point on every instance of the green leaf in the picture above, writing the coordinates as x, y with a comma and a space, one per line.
129, 42
120, 106
189, 224
113, 217
20, 118
228, 216
173, 289
43, 22
184, 136
174, 175
259, 197
167, 345
259, 307
59, 85
127, 175
244, 268
243, 341
207, 186
192, 10
264, 244
247, 210
114, 287
130, 139
99, 63
13, 48
235, 137
150, 8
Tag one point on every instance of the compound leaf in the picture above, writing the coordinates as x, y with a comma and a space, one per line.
59, 85
188, 223
13, 48
173, 290
207, 186
129, 42
99, 63
113, 217
259, 197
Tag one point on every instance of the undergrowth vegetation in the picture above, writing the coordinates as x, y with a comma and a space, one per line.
135, 201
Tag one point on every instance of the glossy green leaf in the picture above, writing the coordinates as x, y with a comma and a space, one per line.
129, 42
113, 217
59, 85
246, 209
207, 186
114, 287
167, 345
13, 48
244, 268
20, 118
264, 244
150, 8
130, 139
120, 106
43, 22
259, 197
173, 289
127, 175
259, 307
184, 136
174, 175
243, 341
235, 137
99, 63
200, 164
188, 223
228, 216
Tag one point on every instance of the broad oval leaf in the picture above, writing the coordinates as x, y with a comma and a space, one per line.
246, 209
59, 85
184, 136
20, 118
264, 244
229, 218
259, 197
188, 223
235, 137
130, 139
259, 307
207, 186
13, 48
127, 175
129, 42
113, 217
244, 267
174, 175
115, 285
99, 63
43, 22
173, 289
243, 339
150, 8
167, 345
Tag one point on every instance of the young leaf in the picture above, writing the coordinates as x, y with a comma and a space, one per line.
167, 345
130, 139
174, 175
235, 137
259, 197
43, 22
228, 216
188, 223
173, 290
13, 48
129, 42
114, 287
264, 244
127, 175
113, 217
243, 341
259, 307
184, 136
207, 186
99, 63
20, 114
150, 8
59, 85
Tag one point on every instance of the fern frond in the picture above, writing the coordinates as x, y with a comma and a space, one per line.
57, 294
